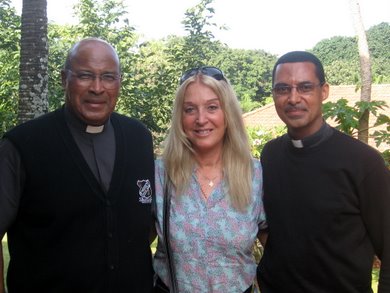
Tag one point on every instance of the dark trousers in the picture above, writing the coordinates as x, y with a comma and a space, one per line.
160, 287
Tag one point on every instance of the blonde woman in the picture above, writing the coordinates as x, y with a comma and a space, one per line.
215, 191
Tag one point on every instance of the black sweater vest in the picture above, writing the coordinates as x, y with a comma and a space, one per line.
70, 236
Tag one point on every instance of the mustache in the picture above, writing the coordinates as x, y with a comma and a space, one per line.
289, 108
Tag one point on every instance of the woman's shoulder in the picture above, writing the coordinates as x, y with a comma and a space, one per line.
159, 166
256, 163
257, 172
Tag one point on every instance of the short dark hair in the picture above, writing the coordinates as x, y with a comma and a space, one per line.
301, 56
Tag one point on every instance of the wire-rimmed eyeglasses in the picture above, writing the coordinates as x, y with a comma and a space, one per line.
302, 88
206, 70
85, 78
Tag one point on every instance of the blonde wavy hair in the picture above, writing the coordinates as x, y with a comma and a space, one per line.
178, 154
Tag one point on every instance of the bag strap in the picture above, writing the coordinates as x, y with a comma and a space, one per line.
166, 214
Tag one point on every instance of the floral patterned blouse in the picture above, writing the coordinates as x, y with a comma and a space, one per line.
211, 242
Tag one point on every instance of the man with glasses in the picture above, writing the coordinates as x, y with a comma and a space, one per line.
76, 191
326, 194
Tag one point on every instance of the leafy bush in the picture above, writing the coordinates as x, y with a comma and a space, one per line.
258, 136
347, 119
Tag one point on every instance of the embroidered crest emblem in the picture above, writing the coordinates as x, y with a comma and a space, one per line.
145, 191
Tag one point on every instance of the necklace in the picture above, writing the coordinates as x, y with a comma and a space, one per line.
206, 187
210, 180
203, 192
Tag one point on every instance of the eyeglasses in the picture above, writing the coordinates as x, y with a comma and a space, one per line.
302, 88
214, 72
108, 80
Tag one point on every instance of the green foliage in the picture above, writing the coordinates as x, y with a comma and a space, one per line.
9, 27
382, 136
61, 38
148, 91
247, 104
348, 116
151, 70
8, 90
249, 71
9, 65
381, 69
199, 45
343, 72
347, 119
341, 58
104, 19
378, 37
258, 137
336, 49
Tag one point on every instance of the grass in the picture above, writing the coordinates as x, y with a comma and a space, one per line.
153, 246
375, 271
375, 277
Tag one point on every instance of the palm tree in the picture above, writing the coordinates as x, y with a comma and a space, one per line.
365, 67
34, 53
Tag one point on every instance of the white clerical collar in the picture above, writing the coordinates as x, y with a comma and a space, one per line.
94, 129
313, 140
297, 143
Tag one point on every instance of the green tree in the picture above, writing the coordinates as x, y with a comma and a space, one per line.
61, 38
9, 62
378, 37
342, 72
105, 19
151, 70
378, 40
347, 118
341, 58
335, 49
249, 71
151, 86
259, 136
199, 45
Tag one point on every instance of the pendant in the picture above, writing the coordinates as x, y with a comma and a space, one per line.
211, 183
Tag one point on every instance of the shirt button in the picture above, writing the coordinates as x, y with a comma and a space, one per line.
108, 202
109, 235
111, 267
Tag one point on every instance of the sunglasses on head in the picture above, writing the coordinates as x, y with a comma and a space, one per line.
214, 72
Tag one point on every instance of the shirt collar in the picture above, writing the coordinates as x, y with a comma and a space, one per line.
80, 125
313, 140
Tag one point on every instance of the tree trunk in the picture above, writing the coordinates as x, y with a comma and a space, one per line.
365, 68
33, 87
